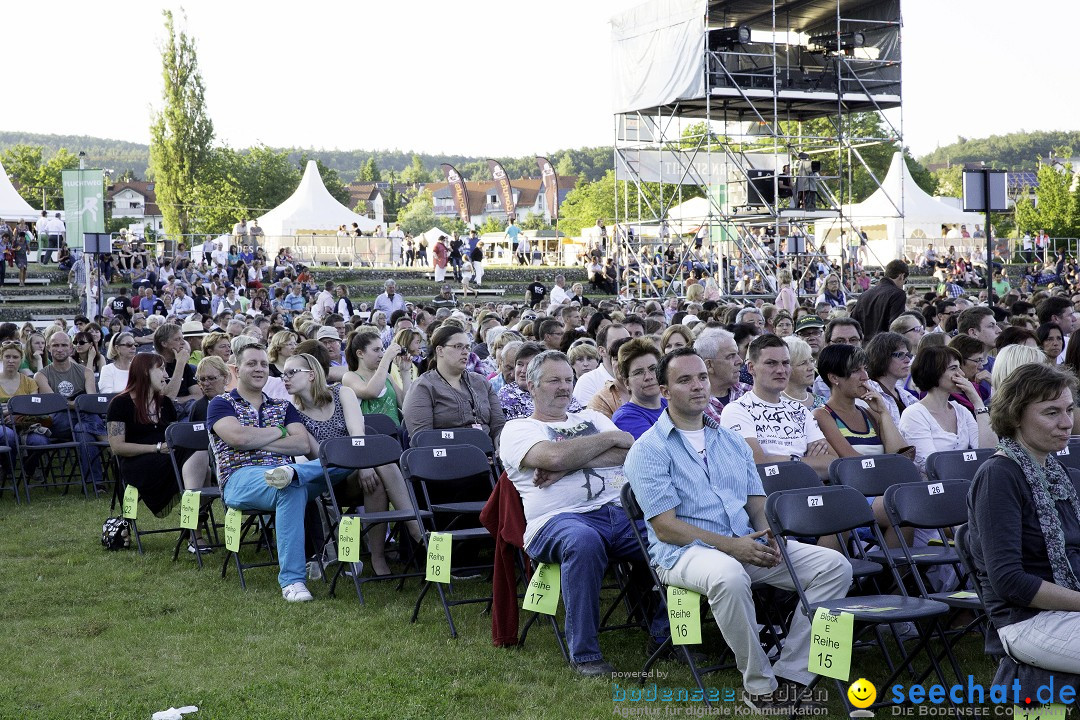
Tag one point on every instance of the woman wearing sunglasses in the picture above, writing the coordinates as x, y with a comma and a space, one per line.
86, 352
114, 376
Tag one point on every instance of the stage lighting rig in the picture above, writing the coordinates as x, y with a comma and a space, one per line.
727, 38
834, 42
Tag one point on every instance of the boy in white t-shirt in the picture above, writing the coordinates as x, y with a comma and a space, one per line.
775, 427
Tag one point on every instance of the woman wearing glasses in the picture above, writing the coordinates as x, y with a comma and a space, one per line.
332, 412
86, 352
973, 365
114, 376
369, 374
447, 395
889, 359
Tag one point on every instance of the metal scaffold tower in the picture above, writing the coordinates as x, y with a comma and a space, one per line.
735, 140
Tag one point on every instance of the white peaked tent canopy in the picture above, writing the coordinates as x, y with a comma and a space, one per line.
12, 204
433, 234
899, 216
311, 208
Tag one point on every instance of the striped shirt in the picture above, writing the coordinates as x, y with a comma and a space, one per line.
709, 492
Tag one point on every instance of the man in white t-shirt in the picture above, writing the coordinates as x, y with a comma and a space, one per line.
776, 427
590, 383
568, 469
324, 302
396, 238
559, 296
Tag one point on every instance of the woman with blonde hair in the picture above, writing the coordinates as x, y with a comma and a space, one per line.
34, 357
1012, 357
786, 297
114, 376
217, 344
695, 293
282, 346
675, 337
408, 339
803, 374
832, 292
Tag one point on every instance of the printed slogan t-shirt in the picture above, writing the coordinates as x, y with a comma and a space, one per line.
578, 491
783, 428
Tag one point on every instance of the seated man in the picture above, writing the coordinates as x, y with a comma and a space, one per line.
776, 427
568, 469
701, 494
254, 438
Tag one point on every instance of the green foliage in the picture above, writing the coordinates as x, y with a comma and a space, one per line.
950, 181
492, 224
535, 222
419, 215
181, 134
416, 173
1055, 207
123, 158
32, 173
587, 202
242, 185
1014, 151
369, 172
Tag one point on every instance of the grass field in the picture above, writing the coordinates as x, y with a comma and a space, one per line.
95, 634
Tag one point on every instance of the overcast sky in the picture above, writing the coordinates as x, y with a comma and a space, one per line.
473, 77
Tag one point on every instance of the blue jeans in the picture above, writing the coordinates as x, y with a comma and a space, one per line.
582, 544
85, 432
246, 489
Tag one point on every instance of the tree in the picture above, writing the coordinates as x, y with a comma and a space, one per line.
950, 181
36, 177
241, 185
1055, 205
416, 172
587, 202
369, 172
419, 215
181, 133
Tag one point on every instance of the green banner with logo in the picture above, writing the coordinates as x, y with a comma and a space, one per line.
84, 204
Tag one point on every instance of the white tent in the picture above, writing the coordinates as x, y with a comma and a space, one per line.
898, 217
12, 204
433, 234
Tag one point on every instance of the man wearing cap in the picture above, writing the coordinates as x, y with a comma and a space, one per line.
883, 303
193, 332
330, 339
445, 298
390, 300
183, 306
811, 329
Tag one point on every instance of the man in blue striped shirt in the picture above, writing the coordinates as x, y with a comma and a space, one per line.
705, 506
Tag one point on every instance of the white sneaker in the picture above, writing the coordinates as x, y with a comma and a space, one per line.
279, 477
297, 592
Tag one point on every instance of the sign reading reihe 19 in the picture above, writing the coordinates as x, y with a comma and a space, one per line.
84, 204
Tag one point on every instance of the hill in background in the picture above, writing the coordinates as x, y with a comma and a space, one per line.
1014, 151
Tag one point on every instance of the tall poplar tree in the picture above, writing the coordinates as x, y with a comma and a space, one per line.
181, 133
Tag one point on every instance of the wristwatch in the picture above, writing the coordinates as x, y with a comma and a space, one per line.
982, 411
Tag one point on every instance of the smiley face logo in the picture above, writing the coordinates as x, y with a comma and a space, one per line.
862, 693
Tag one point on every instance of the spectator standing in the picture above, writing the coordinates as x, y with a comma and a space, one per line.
880, 305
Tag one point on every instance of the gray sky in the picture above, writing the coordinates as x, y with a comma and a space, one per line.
376, 74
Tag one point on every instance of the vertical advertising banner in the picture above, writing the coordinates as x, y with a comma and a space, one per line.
84, 204
551, 187
459, 191
503, 187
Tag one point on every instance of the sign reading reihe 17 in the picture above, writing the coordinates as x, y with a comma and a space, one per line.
84, 204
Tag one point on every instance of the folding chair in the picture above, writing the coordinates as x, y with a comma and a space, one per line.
192, 436
361, 453
10, 474
956, 464
634, 513
455, 472
377, 423
823, 511
1069, 456
94, 450
54, 472
788, 475
461, 436
934, 506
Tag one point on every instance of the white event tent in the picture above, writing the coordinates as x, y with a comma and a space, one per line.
12, 204
898, 217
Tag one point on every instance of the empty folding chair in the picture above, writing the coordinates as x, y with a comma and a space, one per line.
956, 464
1069, 456
824, 511
361, 453
192, 437
451, 480
460, 436
94, 451
377, 423
58, 462
788, 475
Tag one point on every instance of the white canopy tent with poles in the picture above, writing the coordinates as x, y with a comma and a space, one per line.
12, 204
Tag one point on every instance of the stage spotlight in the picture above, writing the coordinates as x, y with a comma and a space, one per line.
727, 38
843, 41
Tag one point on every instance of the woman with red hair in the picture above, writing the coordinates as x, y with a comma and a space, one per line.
137, 421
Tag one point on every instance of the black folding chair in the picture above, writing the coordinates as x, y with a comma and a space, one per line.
58, 462
1069, 456
257, 521
634, 513
446, 477
361, 453
94, 450
193, 436
379, 424
817, 512
788, 475
956, 464
935, 506
461, 436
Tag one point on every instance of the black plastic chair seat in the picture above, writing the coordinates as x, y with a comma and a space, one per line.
210, 493
468, 533
864, 568
959, 603
471, 506
868, 608
929, 555
382, 516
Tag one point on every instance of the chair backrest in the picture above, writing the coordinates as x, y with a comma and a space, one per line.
377, 423
962, 542
816, 512
630, 504
1069, 456
872, 475
790, 475
444, 464
454, 436
188, 436
956, 464
39, 404
93, 404
359, 452
928, 505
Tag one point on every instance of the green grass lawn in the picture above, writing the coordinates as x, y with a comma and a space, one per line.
94, 634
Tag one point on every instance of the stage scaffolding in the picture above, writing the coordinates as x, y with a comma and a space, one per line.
714, 99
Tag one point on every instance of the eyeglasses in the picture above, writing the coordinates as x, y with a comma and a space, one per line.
915, 329
901, 355
124, 345
457, 347
289, 374
641, 372
82, 342
10, 343
201, 380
